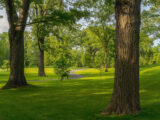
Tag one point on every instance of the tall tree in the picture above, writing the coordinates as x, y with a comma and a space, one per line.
105, 35
17, 23
40, 34
51, 14
104, 10
41, 8
125, 98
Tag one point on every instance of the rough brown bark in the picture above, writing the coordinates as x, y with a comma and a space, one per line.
125, 98
16, 77
41, 71
16, 38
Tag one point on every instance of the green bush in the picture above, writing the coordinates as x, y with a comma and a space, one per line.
62, 65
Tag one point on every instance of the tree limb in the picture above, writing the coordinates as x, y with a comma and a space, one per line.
11, 12
23, 13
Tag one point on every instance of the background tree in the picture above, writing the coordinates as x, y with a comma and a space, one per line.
104, 10
105, 35
40, 9
63, 61
46, 14
31, 49
4, 49
149, 32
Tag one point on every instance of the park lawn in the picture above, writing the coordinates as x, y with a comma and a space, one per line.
31, 74
79, 99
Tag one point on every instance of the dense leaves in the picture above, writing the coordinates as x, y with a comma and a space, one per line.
84, 45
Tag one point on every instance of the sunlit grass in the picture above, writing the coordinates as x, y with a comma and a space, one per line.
35, 70
94, 71
79, 99
31, 74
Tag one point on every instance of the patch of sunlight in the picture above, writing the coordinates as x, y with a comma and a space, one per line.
88, 70
143, 91
3, 70
102, 93
2, 84
98, 77
154, 100
31, 95
49, 70
150, 69
93, 71
110, 92
35, 70
41, 83
73, 84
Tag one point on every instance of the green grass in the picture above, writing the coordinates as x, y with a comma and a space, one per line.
31, 74
80, 99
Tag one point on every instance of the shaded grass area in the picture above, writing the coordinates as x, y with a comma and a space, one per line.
80, 99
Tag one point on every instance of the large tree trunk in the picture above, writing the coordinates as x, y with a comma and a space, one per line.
106, 60
41, 71
16, 77
125, 98
17, 24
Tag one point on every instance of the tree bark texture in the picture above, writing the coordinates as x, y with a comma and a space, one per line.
16, 38
41, 69
40, 38
125, 98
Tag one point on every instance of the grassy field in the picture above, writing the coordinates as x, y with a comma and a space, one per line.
79, 99
31, 74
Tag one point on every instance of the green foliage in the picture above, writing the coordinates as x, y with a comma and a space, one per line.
84, 3
146, 49
60, 17
63, 61
149, 52
156, 55
62, 57
30, 49
90, 45
5, 64
62, 65
4, 47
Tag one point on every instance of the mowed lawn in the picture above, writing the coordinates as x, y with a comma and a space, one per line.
79, 99
31, 74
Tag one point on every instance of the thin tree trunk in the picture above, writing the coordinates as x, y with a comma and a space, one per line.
125, 98
40, 38
41, 71
106, 60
